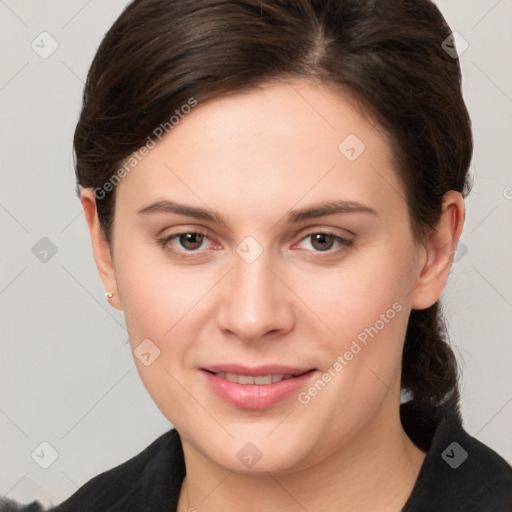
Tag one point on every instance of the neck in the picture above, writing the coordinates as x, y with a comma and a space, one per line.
375, 471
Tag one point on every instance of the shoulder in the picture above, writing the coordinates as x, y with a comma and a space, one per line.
137, 484
128, 486
8, 505
459, 473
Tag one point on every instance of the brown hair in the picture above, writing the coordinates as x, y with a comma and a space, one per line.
388, 55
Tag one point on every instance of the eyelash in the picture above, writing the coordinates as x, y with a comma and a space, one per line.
164, 243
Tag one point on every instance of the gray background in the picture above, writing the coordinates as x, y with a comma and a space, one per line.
67, 376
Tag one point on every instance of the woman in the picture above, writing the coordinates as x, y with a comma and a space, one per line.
274, 193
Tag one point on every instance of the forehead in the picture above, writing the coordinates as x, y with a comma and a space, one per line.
273, 145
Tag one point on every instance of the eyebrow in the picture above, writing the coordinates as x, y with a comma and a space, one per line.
294, 216
330, 208
182, 209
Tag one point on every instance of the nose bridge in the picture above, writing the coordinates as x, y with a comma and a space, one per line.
256, 302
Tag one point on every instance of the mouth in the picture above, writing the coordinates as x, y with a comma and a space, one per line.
255, 388
260, 380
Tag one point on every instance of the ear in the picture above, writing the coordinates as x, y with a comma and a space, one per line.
439, 249
100, 247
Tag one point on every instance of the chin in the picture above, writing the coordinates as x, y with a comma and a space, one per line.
258, 449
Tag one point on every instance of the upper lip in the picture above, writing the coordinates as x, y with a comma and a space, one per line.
268, 369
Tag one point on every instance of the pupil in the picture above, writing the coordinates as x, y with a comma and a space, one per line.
322, 237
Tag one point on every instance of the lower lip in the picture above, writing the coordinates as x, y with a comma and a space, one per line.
255, 396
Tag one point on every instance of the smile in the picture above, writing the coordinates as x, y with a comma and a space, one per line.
261, 380
265, 388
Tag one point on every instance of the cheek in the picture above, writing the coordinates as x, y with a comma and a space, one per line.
367, 305
158, 302
353, 297
157, 298
166, 303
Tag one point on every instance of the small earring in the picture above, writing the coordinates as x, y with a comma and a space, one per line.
108, 295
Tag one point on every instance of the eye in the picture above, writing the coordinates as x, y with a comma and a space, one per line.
184, 242
190, 241
187, 244
324, 241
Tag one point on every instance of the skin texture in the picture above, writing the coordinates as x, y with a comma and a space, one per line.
253, 157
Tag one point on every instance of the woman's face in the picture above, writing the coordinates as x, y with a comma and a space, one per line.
272, 284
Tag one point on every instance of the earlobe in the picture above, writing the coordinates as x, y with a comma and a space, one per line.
100, 247
439, 246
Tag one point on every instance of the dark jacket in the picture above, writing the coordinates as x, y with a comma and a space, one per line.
459, 473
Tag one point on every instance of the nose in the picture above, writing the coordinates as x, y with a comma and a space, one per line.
257, 303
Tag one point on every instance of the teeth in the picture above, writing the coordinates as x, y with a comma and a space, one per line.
243, 379
263, 379
248, 379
